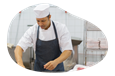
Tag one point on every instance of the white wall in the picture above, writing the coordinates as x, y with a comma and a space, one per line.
27, 17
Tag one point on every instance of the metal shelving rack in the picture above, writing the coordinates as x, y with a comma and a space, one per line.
90, 27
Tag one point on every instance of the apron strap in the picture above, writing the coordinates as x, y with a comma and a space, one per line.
55, 30
38, 33
56, 33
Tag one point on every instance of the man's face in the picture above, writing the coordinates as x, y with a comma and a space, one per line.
44, 23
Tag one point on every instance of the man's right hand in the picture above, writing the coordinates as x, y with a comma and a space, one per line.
20, 66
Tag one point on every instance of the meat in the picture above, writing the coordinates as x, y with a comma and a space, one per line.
94, 44
101, 43
78, 67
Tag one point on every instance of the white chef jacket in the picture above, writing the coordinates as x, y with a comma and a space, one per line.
30, 36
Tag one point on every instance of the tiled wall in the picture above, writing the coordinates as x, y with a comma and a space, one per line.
27, 17
19, 25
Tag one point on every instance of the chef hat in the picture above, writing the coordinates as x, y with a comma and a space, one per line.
41, 10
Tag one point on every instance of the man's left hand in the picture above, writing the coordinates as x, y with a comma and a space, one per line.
50, 65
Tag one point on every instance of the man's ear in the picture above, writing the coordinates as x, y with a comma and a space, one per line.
49, 16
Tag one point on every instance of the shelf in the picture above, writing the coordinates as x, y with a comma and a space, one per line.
91, 27
106, 49
92, 53
93, 30
98, 49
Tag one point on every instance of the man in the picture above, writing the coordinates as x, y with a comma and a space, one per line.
51, 41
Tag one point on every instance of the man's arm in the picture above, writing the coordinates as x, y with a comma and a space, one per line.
52, 64
63, 56
18, 55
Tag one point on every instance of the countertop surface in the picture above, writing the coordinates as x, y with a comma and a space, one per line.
76, 40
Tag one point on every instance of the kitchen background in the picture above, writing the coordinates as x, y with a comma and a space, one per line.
75, 16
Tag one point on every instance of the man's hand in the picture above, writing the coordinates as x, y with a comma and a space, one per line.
50, 65
20, 66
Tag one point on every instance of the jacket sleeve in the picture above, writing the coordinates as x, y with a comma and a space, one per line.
26, 40
65, 39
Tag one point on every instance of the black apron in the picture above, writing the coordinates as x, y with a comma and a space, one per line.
47, 51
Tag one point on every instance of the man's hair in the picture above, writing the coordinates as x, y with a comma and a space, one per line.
48, 15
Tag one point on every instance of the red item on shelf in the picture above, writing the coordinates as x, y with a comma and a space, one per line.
79, 68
